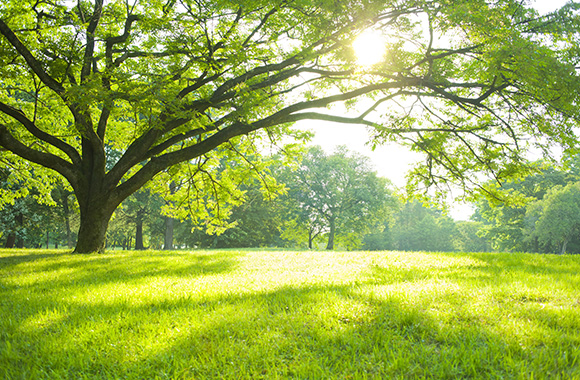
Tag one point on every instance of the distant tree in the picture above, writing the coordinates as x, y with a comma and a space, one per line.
62, 198
379, 240
29, 216
468, 239
559, 219
507, 223
169, 222
140, 209
338, 194
421, 228
257, 221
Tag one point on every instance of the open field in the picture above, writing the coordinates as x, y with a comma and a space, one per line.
276, 314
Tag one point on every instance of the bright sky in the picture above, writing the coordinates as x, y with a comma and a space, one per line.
390, 161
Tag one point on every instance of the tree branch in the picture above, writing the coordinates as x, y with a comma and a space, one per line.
32, 62
66, 169
90, 45
36, 132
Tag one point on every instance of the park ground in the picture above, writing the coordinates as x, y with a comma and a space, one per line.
259, 314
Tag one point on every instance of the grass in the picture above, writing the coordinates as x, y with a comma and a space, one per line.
277, 315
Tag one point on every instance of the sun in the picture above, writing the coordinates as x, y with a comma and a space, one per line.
369, 48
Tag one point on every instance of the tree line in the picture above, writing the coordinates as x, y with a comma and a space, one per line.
543, 212
322, 201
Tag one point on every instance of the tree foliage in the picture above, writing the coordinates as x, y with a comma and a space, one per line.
534, 214
178, 86
559, 219
337, 195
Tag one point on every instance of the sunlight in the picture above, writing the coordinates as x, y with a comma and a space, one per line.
369, 47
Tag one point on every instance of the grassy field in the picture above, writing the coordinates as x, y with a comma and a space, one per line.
277, 315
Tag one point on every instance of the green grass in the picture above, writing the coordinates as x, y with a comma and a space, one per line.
276, 315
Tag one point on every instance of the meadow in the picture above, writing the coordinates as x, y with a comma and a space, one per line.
251, 314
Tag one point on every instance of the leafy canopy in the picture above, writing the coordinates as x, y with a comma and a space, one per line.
472, 84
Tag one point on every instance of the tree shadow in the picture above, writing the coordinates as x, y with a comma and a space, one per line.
10, 257
130, 266
344, 331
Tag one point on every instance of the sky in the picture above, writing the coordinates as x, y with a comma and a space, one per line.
390, 161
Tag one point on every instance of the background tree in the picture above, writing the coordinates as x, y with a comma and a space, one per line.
509, 221
257, 221
421, 228
62, 196
339, 194
559, 219
167, 83
468, 237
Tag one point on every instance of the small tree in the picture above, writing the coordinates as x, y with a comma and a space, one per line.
420, 228
338, 194
559, 220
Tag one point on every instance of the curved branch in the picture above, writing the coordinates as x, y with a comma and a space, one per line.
33, 63
66, 169
36, 132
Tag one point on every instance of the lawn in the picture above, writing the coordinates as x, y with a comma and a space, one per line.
277, 315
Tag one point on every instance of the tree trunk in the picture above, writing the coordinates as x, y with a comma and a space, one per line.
564, 246
139, 234
93, 229
10, 240
169, 223
169, 227
310, 238
330, 244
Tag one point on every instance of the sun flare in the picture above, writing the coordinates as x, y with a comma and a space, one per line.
369, 48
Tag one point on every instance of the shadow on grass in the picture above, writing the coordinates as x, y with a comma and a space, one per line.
61, 269
482, 267
302, 331
10, 257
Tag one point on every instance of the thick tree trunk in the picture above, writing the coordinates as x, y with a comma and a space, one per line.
169, 227
330, 244
93, 229
310, 239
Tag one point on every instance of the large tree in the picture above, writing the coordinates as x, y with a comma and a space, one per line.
169, 82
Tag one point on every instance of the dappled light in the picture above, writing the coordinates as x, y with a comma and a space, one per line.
264, 314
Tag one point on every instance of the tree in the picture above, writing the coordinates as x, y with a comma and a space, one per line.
29, 219
181, 82
468, 239
61, 197
257, 223
559, 219
509, 221
338, 194
420, 228
169, 223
